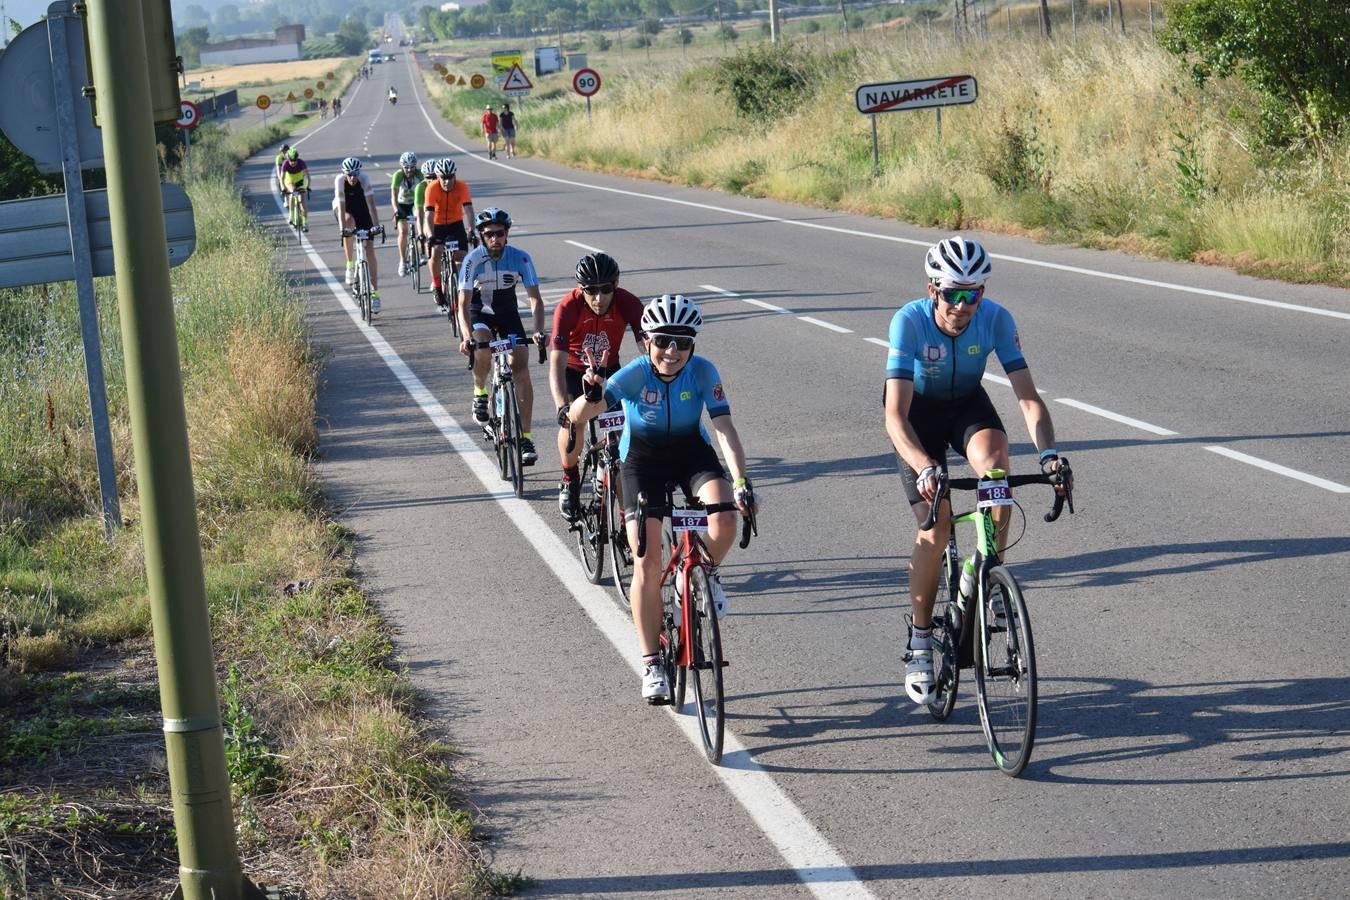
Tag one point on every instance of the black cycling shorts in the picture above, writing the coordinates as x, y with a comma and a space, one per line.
452, 232
403, 211
573, 386
690, 463
946, 423
361, 217
500, 324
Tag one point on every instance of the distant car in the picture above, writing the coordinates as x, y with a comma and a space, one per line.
375, 58
390, 56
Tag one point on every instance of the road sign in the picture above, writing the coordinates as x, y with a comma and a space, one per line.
477, 81
309, 92
35, 246
28, 101
586, 82
320, 85
263, 101
290, 97
191, 115
461, 81
951, 90
516, 81
503, 61
329, 75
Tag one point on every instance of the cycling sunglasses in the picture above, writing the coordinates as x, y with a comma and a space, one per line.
596, 290
494, 233
681, 342
960, 296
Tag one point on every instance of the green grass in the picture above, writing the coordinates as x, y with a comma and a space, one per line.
329, 764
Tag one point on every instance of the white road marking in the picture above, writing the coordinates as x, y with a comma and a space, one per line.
1115, 417
823, 324
879, 342
753, 302
1077, 270
583, 246
1281, 470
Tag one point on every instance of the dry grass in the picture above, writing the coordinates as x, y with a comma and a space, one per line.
222, 78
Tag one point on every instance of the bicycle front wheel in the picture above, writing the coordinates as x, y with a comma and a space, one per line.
592, 529
363, 290
620, 554
499, 425
705, 640
1005, 674
946, 637
517, 463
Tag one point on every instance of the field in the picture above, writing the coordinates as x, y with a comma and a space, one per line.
222, 78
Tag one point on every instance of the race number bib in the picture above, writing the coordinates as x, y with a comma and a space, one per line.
609, 422
683, 521
993, 492
502, 346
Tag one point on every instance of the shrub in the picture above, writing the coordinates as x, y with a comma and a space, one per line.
764, 81
727, 33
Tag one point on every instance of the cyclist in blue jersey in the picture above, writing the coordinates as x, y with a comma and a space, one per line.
664, 394
934, 399
488, 307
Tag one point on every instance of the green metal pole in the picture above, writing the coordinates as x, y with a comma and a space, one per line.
207, 855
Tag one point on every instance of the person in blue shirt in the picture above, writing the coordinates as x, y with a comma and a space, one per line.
934, 399
488, 308
664, 395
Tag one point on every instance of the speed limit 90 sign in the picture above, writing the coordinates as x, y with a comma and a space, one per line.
190, 115
586, 82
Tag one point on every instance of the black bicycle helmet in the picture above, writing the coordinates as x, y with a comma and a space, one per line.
491, 216
597, 268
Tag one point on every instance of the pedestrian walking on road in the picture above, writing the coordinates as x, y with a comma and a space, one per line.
507, 120
490, 124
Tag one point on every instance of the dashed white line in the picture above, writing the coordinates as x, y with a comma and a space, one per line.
823, 324
588, 249
1281, 470
753, 302
1115, 417
879, 342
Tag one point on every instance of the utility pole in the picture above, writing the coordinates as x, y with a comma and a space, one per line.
774, 32
843, 15
720, 32
208, 858
1045, 18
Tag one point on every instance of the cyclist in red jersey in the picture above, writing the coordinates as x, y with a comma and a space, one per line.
590, 319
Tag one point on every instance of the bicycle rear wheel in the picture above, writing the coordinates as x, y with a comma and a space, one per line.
1007, 690
411, 259
448, 277
946, 637
705, 642
592, 529
670, 645
620, 554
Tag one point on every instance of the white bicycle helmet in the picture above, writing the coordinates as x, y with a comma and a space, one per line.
351, 165
446, 166
671, 312
429, 168
957, 261
408, 160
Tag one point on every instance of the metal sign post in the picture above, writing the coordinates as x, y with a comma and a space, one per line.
876, 155
65, 92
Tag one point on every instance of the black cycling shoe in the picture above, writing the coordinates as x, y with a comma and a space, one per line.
528, 455
480, 408
569, 500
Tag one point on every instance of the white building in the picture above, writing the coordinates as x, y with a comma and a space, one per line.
283, 48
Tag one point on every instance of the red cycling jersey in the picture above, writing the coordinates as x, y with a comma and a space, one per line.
576, 328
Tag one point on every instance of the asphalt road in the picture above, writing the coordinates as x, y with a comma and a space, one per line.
1194, 733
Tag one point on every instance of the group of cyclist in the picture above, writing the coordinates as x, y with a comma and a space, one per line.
933, 398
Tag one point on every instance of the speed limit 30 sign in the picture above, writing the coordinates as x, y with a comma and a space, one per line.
189, 115
586, 82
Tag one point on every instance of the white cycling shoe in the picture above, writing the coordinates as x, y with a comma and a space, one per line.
655, 687
920, 683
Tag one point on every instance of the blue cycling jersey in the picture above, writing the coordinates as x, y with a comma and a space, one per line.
943, 367
661, 413
496, 280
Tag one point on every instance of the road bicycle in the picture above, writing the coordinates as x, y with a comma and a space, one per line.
412, 255
361, 288
691, 639
293, 211
448, 298
599, 524
503, 427
994, 635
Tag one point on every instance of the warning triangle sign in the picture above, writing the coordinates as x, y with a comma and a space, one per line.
461, 79
516, 80
291, 97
